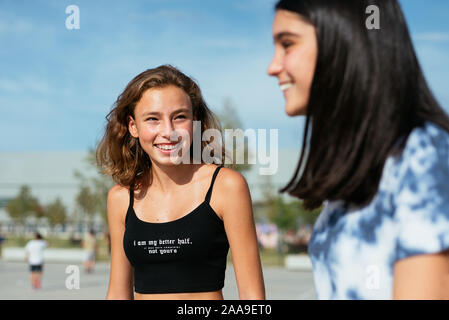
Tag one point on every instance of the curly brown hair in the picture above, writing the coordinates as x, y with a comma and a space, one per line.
120, 155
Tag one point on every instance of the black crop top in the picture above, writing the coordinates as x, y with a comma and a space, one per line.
185, 255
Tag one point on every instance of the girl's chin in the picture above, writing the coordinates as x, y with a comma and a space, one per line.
167, 159
165, 162
294, 110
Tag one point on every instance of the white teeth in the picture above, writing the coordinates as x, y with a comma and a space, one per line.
285, 86
167, 147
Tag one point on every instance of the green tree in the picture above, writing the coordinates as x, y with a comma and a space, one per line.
306, 217
268, 189
290, 215
102, 185
56, 213
22, 207
86, 202
284, 215
99, 186
229, 119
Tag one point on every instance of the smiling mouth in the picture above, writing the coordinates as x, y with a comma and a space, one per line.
167, 146
286, 86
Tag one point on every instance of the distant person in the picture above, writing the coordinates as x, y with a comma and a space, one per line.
34, 255
375, 149
90, 247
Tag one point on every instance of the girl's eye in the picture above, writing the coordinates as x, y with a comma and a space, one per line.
151, 119
181, 116
286, 44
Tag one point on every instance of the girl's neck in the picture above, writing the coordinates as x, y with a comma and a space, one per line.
169, 178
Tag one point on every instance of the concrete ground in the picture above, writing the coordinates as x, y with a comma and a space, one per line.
280, 283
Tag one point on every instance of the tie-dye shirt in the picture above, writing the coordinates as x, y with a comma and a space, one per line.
353, 250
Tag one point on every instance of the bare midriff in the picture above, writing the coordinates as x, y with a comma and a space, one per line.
212, 295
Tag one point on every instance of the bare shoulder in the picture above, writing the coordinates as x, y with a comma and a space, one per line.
229, 180
118, 201
231, 192
230, 185
118, 194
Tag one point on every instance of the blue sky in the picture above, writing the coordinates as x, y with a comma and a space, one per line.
57, 85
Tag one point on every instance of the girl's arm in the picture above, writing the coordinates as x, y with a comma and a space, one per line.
234, 204
121, 273
422, 277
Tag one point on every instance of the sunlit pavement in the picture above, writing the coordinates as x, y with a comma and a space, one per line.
280, 283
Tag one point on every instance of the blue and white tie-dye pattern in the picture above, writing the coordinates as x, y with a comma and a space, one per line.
353, 250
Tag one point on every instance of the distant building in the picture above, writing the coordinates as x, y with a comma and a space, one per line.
51, 174
48, 174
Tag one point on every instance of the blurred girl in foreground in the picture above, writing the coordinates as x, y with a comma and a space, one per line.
375, 149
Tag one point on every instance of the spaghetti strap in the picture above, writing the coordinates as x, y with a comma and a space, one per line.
131, 197
209, 192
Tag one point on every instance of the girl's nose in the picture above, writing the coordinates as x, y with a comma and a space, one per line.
167, 129
275, 67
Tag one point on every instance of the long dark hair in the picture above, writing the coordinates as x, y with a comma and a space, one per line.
367, 95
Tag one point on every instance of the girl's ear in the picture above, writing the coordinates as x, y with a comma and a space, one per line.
132, 127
